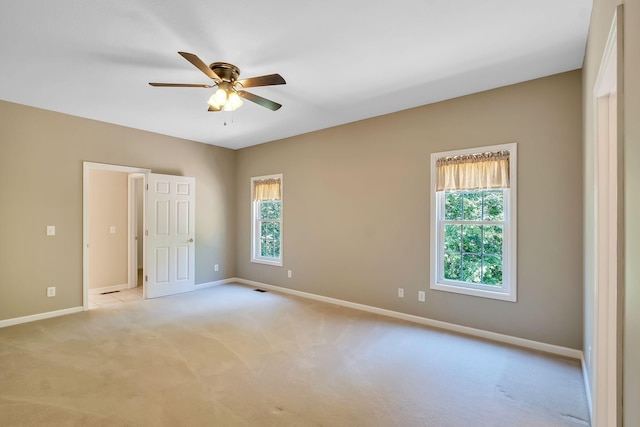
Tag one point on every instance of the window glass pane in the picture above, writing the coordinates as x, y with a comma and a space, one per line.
452, 238
471, 268
267, 247
493, 206
452, 267
492, 240
270, 239
266, 229
472, 238
270, 209
492, 270
453, 205
276, 237
472, 206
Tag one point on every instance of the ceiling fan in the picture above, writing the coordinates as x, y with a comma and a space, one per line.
227, 96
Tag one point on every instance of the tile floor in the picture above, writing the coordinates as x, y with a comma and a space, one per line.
119, 297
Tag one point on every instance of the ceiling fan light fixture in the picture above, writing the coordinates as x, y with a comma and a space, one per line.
234, 102
225, 98
219, 98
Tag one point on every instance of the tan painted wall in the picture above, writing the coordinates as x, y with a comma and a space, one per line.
108, 206
601, 19
356, 208
41, 155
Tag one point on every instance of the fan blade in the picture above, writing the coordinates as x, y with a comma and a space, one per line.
273, 106
200, 65
178, 85
268, 80
212, 108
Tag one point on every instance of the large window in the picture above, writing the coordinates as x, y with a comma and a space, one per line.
266, 246
473, 222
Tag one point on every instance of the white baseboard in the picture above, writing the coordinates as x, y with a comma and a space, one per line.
493, 336
216, 283
111, 288
39, 316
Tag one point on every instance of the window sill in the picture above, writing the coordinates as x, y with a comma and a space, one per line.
276, 263
483, 293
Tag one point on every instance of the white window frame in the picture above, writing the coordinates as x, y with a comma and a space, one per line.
508, 291
255, 224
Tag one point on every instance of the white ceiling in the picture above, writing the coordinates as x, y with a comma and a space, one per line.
343, 60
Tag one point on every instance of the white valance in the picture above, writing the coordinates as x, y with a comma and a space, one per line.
473, 171
267, 189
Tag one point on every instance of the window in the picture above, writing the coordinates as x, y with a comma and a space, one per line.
266, 230
473, 222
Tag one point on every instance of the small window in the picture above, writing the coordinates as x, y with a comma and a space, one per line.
266, 193
473, 220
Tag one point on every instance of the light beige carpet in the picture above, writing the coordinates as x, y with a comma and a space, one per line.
230, 356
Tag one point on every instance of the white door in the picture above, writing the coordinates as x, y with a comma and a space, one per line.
170, 235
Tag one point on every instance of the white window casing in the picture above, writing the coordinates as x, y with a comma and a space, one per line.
267, 189
507, 289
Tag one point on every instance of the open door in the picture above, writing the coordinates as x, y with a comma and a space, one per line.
170, 235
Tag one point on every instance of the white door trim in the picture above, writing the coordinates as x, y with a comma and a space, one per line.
607, 107
86, 167
134, 235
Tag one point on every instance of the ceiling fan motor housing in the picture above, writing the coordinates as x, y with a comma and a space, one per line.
227, 72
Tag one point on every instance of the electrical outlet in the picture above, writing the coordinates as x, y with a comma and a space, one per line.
289, 274
421, 296
51, 230
215, 267
400, 293
51, 291
112, 229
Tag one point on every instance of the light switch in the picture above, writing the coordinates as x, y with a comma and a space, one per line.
112, 229
51, 230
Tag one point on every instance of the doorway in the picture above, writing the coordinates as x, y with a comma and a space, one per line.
113, 247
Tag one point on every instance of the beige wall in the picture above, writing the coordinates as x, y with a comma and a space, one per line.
41, 184
601, 19
356, 208
108, 207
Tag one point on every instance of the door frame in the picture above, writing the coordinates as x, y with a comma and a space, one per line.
609, 233
86, 168
134, 233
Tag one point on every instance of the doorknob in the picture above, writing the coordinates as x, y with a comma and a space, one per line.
190, 240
